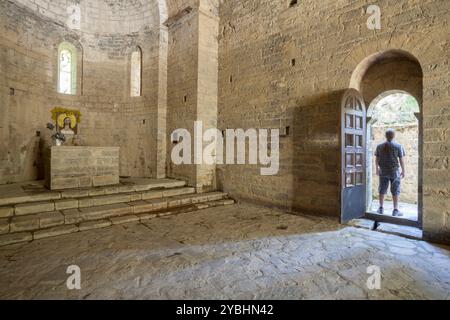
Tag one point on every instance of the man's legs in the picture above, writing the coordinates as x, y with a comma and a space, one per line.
396, 189
382, 190
396, 198
381, 200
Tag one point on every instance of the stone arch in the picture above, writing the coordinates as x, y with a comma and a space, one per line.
425, 50
383, 57
385, 94
381, 74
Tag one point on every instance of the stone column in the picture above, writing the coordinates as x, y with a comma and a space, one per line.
207, 89
161, 142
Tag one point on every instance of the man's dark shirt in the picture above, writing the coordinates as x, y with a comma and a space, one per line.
388, 154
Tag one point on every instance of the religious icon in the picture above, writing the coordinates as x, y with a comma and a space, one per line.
66, 125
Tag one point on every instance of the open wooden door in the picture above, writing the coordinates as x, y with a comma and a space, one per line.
353, 146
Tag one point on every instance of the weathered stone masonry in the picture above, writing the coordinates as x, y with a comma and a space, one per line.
260, 86
29, 44
233, 64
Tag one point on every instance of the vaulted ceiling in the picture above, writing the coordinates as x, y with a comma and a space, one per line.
109, 16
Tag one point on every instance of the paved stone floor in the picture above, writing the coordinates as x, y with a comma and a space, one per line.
236, 252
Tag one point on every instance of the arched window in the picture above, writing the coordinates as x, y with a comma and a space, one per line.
136, 73
67, 68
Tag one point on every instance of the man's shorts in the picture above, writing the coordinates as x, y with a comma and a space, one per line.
395, 185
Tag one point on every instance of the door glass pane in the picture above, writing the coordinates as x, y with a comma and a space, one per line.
358, 122
349, 140
359, 141
349, 103
350, 159
359, 178
349, 180
349, 121
359, 159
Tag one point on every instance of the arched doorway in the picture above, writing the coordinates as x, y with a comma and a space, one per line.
374, 79
398, 110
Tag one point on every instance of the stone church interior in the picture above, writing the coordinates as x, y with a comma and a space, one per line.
224, 149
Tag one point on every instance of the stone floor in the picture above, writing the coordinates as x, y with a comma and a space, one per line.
409, 210
236, 252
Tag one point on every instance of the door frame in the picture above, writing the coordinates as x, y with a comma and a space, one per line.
388, 218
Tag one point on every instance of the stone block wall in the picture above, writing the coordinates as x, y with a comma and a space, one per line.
282, 65
279, 65
182, 75
193, 85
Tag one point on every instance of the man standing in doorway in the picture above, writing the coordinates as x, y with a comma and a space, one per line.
389, 158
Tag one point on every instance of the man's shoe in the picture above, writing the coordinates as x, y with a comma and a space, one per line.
380, 210
397, 213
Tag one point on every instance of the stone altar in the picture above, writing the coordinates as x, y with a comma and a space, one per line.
77, 167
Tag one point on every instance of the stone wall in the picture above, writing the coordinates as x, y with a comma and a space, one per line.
290, 65
407, 136
279, 65
28, 58
193, 85
182, 76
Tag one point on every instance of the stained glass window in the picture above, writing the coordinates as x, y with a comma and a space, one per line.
67, 70
136, 72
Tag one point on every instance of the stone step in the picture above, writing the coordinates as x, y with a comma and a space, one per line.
15, 200
44, 225
15, 194
77, 215
175, 201
24, 209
